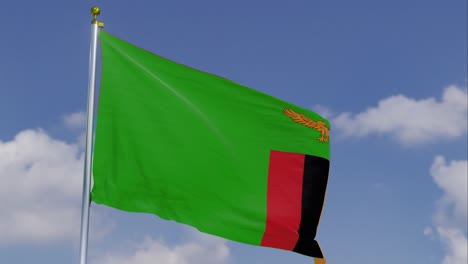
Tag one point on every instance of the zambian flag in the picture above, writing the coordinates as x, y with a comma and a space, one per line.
204, 151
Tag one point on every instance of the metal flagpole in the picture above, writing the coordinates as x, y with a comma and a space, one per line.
95, 11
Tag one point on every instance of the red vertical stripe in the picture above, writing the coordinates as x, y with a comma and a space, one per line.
285, 176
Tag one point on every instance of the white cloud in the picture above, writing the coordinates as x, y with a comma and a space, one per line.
41, 187
452, 178
450, 217
323, 111
41, 179
456, 245
409, 120
75, 120
200, 249
428, 232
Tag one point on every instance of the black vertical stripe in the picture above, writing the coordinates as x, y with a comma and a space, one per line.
313, 194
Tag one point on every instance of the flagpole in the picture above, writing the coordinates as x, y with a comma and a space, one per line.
95, 11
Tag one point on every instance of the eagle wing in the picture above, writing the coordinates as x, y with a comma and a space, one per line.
300, 118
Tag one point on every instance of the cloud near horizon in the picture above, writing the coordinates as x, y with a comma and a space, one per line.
198, 249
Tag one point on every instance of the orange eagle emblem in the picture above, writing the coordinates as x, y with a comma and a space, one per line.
320, 126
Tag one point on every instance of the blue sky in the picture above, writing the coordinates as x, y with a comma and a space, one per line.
390, 75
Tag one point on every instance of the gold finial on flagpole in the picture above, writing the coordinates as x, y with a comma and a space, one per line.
95, 11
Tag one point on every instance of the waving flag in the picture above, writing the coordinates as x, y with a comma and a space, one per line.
204, 151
